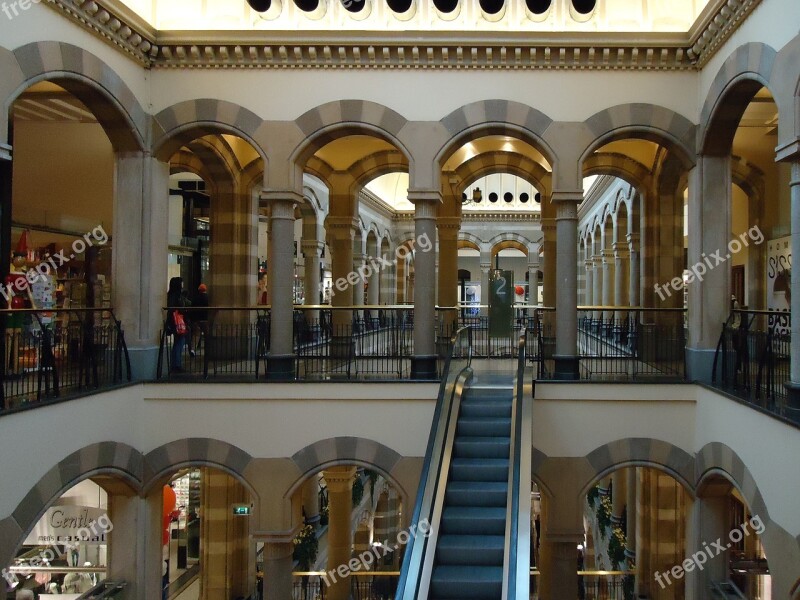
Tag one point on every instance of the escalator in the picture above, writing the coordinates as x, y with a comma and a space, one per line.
475, 488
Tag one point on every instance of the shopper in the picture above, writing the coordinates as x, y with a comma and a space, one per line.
199, 314
176, 323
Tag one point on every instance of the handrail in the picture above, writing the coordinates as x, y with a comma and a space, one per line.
516, 582
104, 589
434, 474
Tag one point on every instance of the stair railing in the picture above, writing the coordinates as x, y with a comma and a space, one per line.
418, 560
516, 567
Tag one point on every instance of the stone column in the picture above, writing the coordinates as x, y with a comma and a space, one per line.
549, 253
139, 265
597, 280
486, 266
358, 287
633, 264
566, 355
224, 544
709, 521
448, 273
608, 283
533, 286
709, 233
621, 285
340, 532
311, 501
400, 280
589, 292
280, 279
134, 543
6, 172
619, 496
793, 386
630, 527
559, 562
312, 256
423, 363
374, 282
278, 550
341, 233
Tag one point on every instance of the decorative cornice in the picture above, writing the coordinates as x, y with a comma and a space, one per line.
121, 27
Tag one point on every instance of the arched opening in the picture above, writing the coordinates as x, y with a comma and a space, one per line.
59, 236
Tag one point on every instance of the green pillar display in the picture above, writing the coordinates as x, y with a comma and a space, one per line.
501, 297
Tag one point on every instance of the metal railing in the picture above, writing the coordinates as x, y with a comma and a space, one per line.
631, 343
365, 343
752, 360
59, 353
366, 585
418, 558
518, 513
595, 585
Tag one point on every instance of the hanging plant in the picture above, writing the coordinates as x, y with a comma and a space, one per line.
616, 548
358, 491
306, 546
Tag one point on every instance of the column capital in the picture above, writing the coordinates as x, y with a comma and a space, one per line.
621, 251
607, 255
788, 152
340, 228
339, 479
566, 211
633, 240
548, 224
276, 196
567, 196
5, 151
533, 266
597, 260
421, 195
485, 268
277, 537
312, 248
448, 225
359, 258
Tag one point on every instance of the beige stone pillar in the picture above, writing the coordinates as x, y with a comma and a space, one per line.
233, 252
311, 501
340, 533
566, 355
359, 259
630, 527
280, 281
609, 276
134, 541
341, 233
621, 284
424, 361
139, 255
224, 545
709, 233
278, 550
589, 291
619, 496
634, 285
312, 257
448, 273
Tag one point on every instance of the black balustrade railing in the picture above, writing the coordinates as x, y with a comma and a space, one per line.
363, 586
619, 344
363, 343
752, 359
595, 585
59, 353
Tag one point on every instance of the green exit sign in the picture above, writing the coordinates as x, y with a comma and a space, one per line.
241, 510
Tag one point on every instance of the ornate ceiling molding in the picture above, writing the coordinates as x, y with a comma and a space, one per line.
121, 27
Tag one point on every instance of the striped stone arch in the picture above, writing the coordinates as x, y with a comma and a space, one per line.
641, 452
253, 175
217, 161
645, 121
719, 460
113, 459
377, 164
470, 240
318, 168
499, 161
744, 72
185, 161
83, 75
336, 451
164, 461
748, 177
334, 120
186, 121
538, 458
495, 117
616, 165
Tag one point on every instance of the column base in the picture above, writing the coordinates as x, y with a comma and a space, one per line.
424, 367
700, 364
566, 368
280, 367
144, 360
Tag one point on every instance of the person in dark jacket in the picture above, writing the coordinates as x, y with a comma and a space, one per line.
176, 298
199, 316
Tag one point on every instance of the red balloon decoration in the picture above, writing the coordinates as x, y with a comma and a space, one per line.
519, 290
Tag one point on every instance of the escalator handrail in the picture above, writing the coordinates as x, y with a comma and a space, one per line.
516, 581
456, 367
